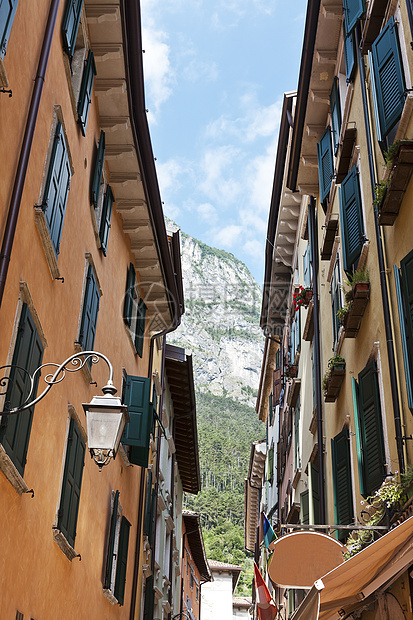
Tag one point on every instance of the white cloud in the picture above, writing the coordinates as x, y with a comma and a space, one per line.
197, 70
207, 212
227, 236
159, 77
170, 172
254, 248
218, 181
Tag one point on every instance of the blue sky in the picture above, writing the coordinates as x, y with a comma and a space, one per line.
215, 74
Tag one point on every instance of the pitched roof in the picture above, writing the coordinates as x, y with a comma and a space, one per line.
193, 532
224, 567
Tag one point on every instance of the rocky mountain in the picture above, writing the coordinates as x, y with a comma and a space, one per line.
221, 322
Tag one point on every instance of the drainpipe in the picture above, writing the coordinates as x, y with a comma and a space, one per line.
382, 270
21, 171
317, 355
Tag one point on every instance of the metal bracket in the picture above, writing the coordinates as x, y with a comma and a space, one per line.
9, 92
30, 491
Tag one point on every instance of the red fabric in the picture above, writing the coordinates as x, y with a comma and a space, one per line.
267, 609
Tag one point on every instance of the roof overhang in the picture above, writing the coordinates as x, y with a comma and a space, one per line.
318, 67
196, 543
221, 567
115, 35
179, 373
353, 585
253, 486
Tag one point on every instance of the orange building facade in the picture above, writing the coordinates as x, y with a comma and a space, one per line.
86, 264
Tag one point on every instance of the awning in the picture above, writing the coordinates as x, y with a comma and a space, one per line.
347, 587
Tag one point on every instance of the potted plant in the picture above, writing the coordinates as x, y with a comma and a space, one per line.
302, 297
290, 371
356, 291
333, 378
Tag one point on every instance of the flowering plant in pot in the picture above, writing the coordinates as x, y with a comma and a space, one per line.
302, 297
290, 371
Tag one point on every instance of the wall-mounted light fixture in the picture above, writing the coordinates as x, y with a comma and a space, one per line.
106, 416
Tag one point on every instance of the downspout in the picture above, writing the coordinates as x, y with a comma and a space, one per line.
317, 355
21, 171
380, 256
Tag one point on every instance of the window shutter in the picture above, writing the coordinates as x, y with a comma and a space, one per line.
97, 176
371, 428
270, 409
105, 221
71, 25
306, 267
120, 580
90, 312
349, 54
129, 295
149, 599
343, 498
137, 431
325, 164
86, 89
404, 289
389, 83
277, 386
352, 231
57, 188
305, 508
270, 472
111, 545
7, 13
315, 492
353, 11
297, 435
359, 442
148, 504
335, 300
28, 354
152, 518
140, 327
335, 113
72, 481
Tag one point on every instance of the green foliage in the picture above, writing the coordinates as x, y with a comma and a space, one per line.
379, 191
226, 429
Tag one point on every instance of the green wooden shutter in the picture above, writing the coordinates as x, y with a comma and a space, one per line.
140, 327
72, 482
152, 518
270, 472
129, 295
57, 188
353, 11
90, 312
315, 493
388, 77
28, 354
97, 176
305, 508
349, 54
343, 497
149, 599
335, 300
71, 25
86, 89
404, 290
122, 559
335, 107
371, 428
106, 218
352, 229
7, 13
137, 431
111, 545
359, 442
325, 164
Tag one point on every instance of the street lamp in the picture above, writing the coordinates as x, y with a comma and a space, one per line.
106, 416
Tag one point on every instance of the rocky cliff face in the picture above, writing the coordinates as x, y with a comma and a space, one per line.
221, 322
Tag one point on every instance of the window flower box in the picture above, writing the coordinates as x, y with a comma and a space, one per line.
357, 307
333, 378
290, 371
302, 297
390, 192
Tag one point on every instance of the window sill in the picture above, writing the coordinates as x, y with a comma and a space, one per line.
4, 82
9, 470
41, 223
62, 543
110, 596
